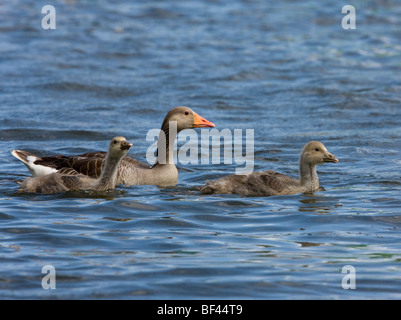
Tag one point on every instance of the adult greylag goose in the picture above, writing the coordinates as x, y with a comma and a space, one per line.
69, 180
271, 183
130, 171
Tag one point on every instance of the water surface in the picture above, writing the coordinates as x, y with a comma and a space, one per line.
285, 69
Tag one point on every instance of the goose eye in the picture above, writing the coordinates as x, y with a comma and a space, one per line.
186, 113
317, 149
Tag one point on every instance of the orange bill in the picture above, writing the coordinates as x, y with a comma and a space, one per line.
201, 122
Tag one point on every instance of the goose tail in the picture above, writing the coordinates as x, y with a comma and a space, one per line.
31, 161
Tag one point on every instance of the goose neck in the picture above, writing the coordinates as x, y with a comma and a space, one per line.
308, 176
165, 144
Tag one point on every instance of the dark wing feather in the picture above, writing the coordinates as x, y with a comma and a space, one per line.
68, 171
91, 167
276, 181
52, 161
97, 154
72, 182
90, 164
126, 161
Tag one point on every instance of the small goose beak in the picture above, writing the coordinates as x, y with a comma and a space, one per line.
201, 122
328, 157
125, 145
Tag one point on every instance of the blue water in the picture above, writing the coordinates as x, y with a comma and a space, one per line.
286, 69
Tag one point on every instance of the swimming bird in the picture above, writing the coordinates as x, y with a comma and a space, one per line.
271, 183
130, 171
69, 179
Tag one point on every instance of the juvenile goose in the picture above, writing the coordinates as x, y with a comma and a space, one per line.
271, 183
67, 179
131, 171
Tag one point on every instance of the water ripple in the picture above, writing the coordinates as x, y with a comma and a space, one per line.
285, 69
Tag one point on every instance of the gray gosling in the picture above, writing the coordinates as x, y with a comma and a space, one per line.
70, 180
271, 183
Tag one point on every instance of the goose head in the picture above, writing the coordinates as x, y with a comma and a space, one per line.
119, 147
316, 153
186, 118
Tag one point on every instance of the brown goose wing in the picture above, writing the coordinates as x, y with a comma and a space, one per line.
97, 154
269, 183
126, 161
89, 164
68, 172
77, 182
275, 183
91, 167
82, 164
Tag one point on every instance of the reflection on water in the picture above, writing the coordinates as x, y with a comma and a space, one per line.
285, 69
319, 204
